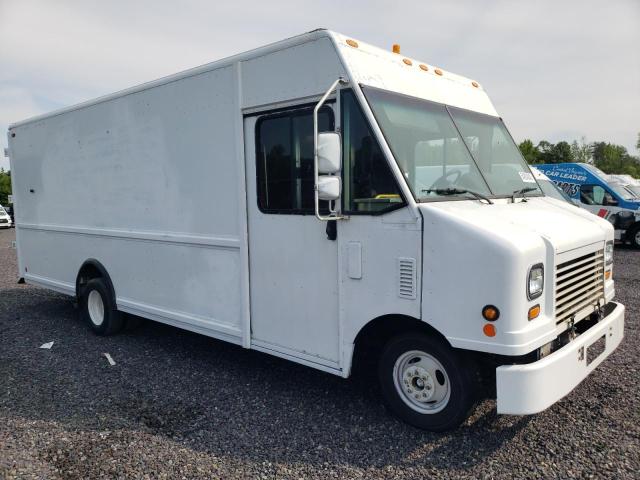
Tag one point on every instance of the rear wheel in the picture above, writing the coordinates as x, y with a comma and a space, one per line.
426, 383
98, 308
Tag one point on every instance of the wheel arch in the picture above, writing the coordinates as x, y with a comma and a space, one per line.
371, 338
90, 269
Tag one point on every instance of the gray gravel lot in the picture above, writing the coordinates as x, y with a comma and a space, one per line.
181, 405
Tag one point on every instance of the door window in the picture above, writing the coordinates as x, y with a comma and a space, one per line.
284, 160
596, 195
369, 185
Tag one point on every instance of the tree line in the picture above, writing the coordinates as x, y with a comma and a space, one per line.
5, 186
608, 157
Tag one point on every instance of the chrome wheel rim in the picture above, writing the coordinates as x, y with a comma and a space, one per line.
421, 382
95, 306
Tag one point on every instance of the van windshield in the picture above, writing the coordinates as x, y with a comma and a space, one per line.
443, 150
550, 189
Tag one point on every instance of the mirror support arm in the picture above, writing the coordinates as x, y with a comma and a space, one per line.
334, 215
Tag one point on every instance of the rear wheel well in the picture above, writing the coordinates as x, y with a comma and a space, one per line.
92, 269
372, 338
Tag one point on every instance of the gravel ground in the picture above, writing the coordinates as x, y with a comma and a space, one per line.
181, 405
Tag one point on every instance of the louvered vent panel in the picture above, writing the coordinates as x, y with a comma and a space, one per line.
407, 278
579, 285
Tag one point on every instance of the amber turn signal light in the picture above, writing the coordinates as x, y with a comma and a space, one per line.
489, 330
490, 313
534, 312
607, 275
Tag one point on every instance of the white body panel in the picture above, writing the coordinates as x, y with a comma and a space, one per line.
137, 183
151, 183
158, 183
496, 240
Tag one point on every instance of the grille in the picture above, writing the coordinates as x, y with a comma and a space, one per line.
579, 285
4, 220
407, 278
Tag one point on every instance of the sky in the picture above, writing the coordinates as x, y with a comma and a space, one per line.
555, 70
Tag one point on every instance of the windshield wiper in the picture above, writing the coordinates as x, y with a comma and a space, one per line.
522, 192
457, 191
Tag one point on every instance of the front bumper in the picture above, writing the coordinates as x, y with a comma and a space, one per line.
530, 388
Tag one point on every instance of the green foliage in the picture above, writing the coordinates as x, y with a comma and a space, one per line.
581, 152
5, 186
561, 153
546, 152
611, 158
529, 151
608, 157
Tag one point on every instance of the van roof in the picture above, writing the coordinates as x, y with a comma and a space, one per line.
365, 64
377, 67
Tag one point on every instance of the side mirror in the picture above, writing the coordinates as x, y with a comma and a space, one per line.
328, 187
326, 162
329, 155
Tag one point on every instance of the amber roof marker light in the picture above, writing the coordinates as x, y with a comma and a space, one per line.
424, 67
352, 43
395, 48
407, 61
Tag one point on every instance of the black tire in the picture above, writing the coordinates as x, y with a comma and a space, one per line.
112, 321
634, 236
462, 384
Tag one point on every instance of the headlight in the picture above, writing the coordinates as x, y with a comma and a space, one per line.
535, 282
608, 253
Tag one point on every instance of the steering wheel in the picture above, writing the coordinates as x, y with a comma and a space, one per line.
440, 182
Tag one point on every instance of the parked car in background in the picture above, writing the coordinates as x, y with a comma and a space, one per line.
631, 184
5, 218
11, 212
591, 188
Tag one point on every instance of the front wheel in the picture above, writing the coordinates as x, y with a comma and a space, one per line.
634, 236
425, 383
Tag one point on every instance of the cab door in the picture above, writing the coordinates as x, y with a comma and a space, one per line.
293, 266
597, 199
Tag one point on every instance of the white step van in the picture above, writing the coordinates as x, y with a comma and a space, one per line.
324, 201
